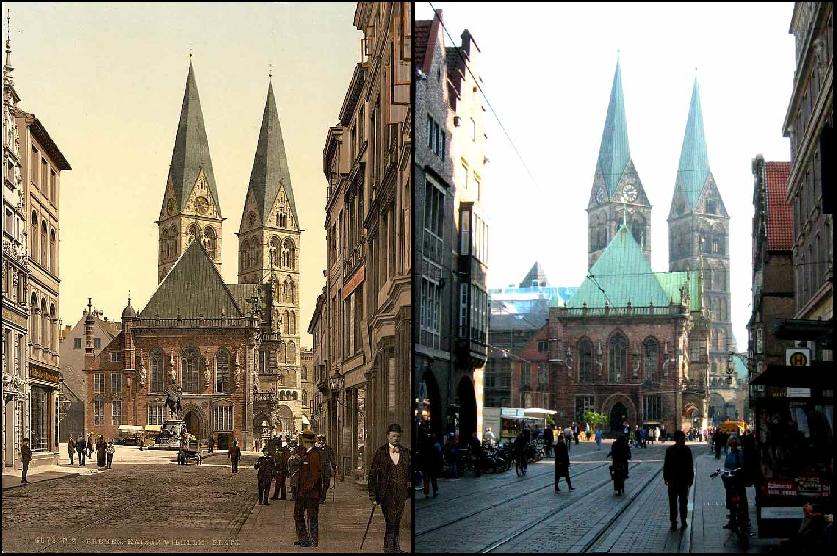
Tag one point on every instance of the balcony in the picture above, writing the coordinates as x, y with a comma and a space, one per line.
222, 322
352, 260
265, 398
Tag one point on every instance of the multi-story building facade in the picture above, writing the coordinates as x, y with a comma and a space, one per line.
307, 384
319, 365
451, 330
366, 309
15, 278
233, 349
41, 164
810, 126
517, 313
773, 292
74, 384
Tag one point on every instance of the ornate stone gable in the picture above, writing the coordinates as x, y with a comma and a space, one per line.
281, 214
200, 202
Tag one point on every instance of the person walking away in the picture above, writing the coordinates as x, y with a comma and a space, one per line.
234, 455
329, 464
678, 474
81, 448
489, 437
266, 469
734, 460
643, 437
309, 490
548, 440
716, 442
427, 458
101, 454
389, 484
71, 448
211, 445
663, 433
281, 456
90, 445
562, 464
25, 458
520, 446
110, 451
575, 433
621, 453
598, 438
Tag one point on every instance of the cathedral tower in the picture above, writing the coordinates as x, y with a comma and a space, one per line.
617, 195
698, 232
191, 208
269, 235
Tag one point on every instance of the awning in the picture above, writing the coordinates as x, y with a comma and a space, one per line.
539, 411
130, 428
305, 420
819, 374
153, 428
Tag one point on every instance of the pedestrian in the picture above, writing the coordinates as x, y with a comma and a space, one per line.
452, 456
663, 433
211, 446
656, 434
294, 464
101, 454
643, 437
562, 463
81, 448
388, 484
548, 440
281, 456
110, 451
490, 438
309, 490
717, 440
598, 438
678, 474
734, 461
267, 468
568, 436
25, 458
426, 456
234, 454
621, 453
329, 464
90, 445
71, 448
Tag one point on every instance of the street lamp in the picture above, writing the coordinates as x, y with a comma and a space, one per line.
336, 383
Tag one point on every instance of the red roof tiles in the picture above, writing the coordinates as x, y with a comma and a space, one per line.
420, 40
779, 213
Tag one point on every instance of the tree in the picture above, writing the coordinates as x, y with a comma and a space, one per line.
594, 419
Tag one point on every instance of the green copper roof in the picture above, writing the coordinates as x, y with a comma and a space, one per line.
614, 151
624, 273
694, 162
739, 362
270, 165
193, 287
191, 148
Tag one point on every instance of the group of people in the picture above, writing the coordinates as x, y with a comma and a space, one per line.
568, 435
84, 449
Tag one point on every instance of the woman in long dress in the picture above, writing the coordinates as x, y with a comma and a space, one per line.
101, 451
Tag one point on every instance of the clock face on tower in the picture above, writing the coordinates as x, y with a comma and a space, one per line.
629, 193
600, 195
201, 205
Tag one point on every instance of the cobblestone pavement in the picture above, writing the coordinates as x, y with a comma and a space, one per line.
505, 513
148, 503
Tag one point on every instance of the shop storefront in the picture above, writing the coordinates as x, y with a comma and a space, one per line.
43, 414
794, 429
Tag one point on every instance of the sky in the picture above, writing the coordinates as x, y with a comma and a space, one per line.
547, 71
107, 82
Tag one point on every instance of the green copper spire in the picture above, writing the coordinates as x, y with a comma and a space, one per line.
270, 165
694, 162
614, 152
191, 148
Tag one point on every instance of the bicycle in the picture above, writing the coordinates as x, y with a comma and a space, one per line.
520, 465
739, 513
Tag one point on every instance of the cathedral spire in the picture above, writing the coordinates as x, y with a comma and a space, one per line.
190, 156
693, 170
270, 165
614, 151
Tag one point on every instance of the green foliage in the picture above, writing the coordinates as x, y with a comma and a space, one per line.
594, 419
550, 421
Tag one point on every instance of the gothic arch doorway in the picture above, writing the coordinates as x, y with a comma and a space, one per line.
436, 417
618, 416
262, 426
194, 423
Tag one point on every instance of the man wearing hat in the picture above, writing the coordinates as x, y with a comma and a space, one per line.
389, 484
267, 469
329, 463
309, 489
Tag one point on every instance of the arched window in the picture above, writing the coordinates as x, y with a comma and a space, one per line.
193, 233
274, 251
711, 206
304, 398
288, 254
617, 358
45, 340
291, 353
53, 255
242, 256
585, 361
158, 382
638, 230
209, 241
295, 395
174, 247
652, 358
33, 322
44, 245
292, 323
280, 352
722, 340
286, 320
255, 256
291, 291
33, 252
189, 370
222, 371
53, 325
303, 372
282, 217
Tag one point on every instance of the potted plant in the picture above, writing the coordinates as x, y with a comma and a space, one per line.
594, 419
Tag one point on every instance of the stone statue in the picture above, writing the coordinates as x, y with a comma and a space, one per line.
205, 365
142, 373
173, 398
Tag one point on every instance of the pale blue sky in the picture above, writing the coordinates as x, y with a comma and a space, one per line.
548, 70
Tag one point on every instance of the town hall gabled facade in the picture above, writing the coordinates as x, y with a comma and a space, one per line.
231, 349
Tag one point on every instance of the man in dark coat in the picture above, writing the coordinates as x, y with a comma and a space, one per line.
281, 457
718, 442
234, 454
389, 484
81, 448
562, 463
25, 458
548, 440
211, 446
101, 454
329, 463
90, 445
71, 448
266, 468
309, 489
678, 474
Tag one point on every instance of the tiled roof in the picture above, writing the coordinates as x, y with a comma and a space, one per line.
779, 212
535, 273
623, 272
193, 287
421, 37
270, 165
693, 169
191, 148
614, 151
